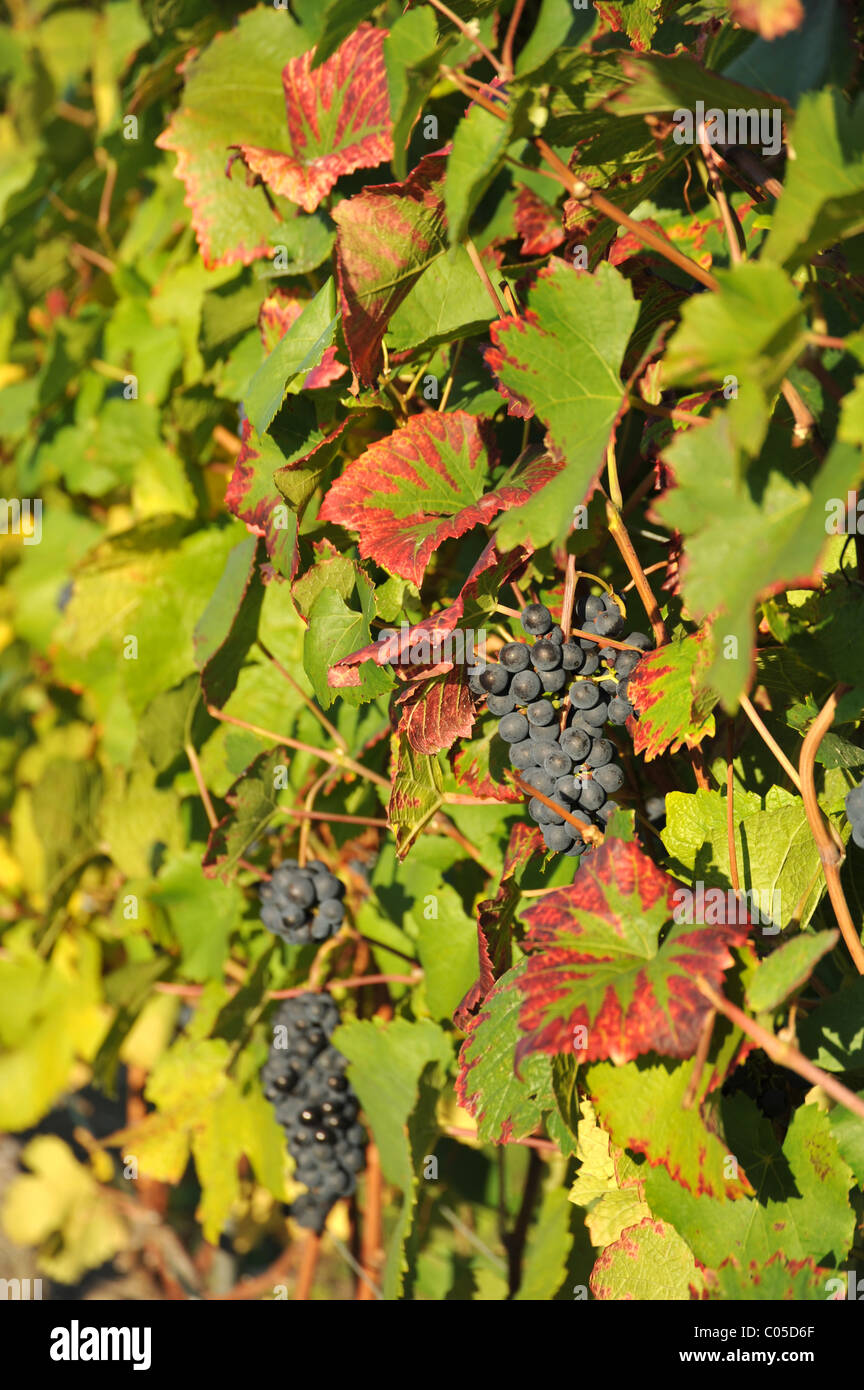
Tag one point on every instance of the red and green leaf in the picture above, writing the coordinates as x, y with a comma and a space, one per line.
278, 312
436, 712
673, 707
538, 223
597, 963
253, 496
424, 484
388, 235
338, 121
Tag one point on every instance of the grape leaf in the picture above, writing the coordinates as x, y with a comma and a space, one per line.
832, 1034
418, 792
780, 1280
388, 1065
562, 360
411, 57
746, 538
599, 983
823, 191
538, 224
777, 855
787, 969
232, 221
338, 121
302, 346
278, 313
607, 1184
253, 800
436, 712
648, 1261
673, 710
815, 1221
544, 1266
477, 152
229, 623
506, 1105
253, 497
422, 484
388, 235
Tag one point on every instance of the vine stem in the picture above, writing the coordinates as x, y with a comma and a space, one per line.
352, 982
730, 819
569, 596
472, 38
530, 1141
371, 1244
666, 412
770, 742
483, 274
618, 532
590, 834
307, 699
716, 186
306, 821
333, 816
307, 1266
336, 759
830, 856
204, 794
784, 1053
507, 49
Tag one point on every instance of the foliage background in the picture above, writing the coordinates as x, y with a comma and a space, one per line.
121, 955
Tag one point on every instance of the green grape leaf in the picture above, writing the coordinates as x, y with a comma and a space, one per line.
673, 706
787, 969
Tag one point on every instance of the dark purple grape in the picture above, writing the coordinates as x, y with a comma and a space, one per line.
576, 850
545, 656
584, 695
515, 656
602, 752
556, 762
513, 728
545, 733
588, 643
575, 743
593, 795
593, 606
619, 711
535, 619
638, 639
541, 712
595, 717
609, 623
500, 705
541, 813
525, 687
540, 780
553, 682
606, 811
572, 656
523, 754
610, 777
626, 662
558, 838
494, 680
590, 664
568, 788
555, 634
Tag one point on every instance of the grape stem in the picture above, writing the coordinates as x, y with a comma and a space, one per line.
830, 855
769, 740
192, 756
371, 1244
472, 38
308, 1265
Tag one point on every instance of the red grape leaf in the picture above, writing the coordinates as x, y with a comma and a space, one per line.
388, 235
596, 964
436, 712
505, 1104
423, 484
495, 921
525, 841
232, 220
253, 496
277, 313
476, 767
395, 649
672, 710
338, 120
779, 1279
538, 224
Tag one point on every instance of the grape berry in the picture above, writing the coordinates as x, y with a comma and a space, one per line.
573, 767
304, 1077
302, 904
855, 813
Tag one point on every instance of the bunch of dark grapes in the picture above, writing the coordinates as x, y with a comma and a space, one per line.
302, 905
574, 766
855, 813
304, 1077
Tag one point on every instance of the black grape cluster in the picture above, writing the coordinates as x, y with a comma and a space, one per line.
304, 1077
302, 905
574, 767
855, 813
